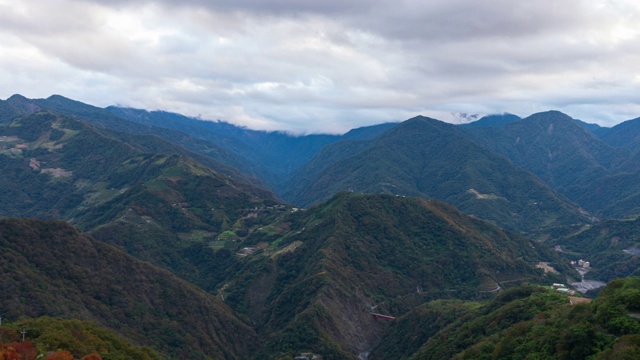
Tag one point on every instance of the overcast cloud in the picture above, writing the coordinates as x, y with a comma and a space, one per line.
328, 66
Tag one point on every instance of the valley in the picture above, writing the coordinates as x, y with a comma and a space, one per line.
420, 239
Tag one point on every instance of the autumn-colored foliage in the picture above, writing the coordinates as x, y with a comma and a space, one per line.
25, 349
9, 353
18, 351
92, 357
60, 355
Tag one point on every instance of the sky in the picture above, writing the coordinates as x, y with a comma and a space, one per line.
309, 66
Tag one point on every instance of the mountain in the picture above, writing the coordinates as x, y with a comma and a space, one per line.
571, 160
410, 331
465, 322
260, 157
367, 132
553, 146
598, 130
428, 158
161, 207
186, 195
524, 322
206, 152
273, 155
612, 248
624, 135
15, 106
50, 268
69, 150
46, 335
495, 120
615, 196
310, 280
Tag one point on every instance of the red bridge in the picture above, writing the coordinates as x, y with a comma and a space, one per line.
380, 316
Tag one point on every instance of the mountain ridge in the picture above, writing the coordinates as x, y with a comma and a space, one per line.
339, 259
51, 268
429, 158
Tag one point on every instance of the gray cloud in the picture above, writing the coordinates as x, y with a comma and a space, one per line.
328, 65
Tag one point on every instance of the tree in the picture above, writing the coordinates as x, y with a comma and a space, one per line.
9, 353
60, 355
26, 349
92, 357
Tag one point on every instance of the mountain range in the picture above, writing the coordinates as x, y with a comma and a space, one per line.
339, 260
50, 268
428, 158
287, 243
523, 322
571, 159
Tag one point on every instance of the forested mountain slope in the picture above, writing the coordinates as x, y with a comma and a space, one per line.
612, 247
497, 120
273, 154
570, 159
528, 322
158, 206
317, 274
216, 157
624, 135
82, 339
305, 279
428, 158
264, 158
553, 146
51, 268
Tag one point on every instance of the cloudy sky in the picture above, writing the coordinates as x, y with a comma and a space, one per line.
328, 65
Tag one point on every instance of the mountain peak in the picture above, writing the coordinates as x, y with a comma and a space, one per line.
17, 98
550, 116
420, 119
551, 122
22, 104
58, 97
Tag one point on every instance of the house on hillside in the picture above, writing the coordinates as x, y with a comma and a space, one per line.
247, 251
562, 289
566, 291
307, 356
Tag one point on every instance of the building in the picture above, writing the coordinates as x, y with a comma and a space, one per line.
306, 356
566, 291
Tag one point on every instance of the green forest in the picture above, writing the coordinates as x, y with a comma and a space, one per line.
128, 234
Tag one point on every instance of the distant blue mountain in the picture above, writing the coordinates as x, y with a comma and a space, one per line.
598, 130
624, 135
495, 120
274, 155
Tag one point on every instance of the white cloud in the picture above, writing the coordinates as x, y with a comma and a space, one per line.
311, 66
